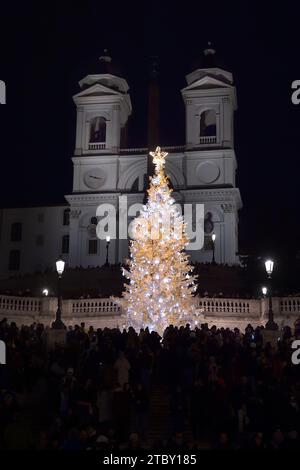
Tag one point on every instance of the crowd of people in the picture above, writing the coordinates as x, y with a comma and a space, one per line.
213, 388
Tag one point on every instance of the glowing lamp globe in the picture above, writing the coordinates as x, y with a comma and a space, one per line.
264, 290
269, 265
60, 266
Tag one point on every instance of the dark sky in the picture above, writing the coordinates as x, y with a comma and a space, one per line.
45, 50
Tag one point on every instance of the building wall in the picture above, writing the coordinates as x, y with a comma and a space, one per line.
122, 171
201, 172
41, 238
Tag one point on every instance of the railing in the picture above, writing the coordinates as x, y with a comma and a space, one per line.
106, 312
290, 305
208, 139
144, 150
178, 148
96, 145
19, 304
100, 306
134, 150
228, 306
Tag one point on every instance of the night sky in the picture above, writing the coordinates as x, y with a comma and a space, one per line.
46, 50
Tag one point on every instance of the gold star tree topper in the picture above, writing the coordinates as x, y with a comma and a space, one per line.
159, 158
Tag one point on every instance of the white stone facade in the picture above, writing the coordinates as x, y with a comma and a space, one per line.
38, 240
201, 171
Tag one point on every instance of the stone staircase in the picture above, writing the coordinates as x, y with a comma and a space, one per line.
160, 423
159, 419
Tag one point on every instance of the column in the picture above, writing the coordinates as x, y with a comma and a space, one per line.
115, 127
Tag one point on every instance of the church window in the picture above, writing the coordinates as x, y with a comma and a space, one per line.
14, 260
208, 123
65, 244
208, 230
16, 232
98, 130
93, 247
66, 217
208, 223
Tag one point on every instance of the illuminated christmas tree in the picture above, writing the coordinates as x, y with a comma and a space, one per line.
161, 284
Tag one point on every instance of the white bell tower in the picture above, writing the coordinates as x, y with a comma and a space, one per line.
103, 108
210, 161
210, 102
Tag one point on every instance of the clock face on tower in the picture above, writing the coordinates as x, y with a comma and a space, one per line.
94, 178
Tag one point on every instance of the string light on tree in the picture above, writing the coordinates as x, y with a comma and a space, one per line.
161, 286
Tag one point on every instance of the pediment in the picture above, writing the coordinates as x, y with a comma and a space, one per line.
97, 90
208, 81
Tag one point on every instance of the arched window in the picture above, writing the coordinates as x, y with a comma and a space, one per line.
98, 130
208, 223
66, 217
208, 231
208, 123
92, 227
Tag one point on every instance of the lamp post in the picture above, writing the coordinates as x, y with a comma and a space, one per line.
213, 238
264, 291
270, 325
58, 324
107, 248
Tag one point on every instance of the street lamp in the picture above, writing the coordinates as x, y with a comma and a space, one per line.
213, 238
270, 325
58, 324
269, 265
264, 290
107, 248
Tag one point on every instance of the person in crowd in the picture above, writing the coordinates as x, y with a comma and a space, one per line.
140, 402
122, 368
218, 388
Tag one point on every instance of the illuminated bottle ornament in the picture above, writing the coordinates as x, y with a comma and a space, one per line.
161, 286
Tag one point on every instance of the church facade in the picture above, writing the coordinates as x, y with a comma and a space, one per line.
202, 171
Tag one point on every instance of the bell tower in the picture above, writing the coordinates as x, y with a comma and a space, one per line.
210, 160
210, 102
103, 107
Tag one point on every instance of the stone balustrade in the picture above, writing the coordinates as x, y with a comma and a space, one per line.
92, 306
96, 145
208, 139
105, 312
234, 307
